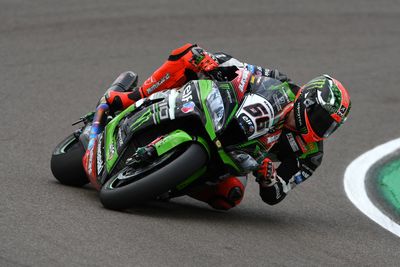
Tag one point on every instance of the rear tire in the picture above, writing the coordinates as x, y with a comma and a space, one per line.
159, 181
66, 162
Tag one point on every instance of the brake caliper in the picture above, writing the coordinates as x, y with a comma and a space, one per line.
142, 156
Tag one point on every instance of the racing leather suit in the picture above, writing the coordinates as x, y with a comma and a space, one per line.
298, 159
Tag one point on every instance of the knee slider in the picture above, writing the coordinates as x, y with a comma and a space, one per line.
234, 197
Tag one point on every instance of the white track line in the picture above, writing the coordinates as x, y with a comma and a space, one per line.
354, 184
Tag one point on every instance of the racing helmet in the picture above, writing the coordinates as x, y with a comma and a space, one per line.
320, 107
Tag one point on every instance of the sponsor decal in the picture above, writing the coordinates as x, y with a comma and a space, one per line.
308, 169
277, 191
301, 143
341, 111
298, 116
100, 162
141, 120
259, 71
285, 94
187, 93
311, 146
188, 107
292, 142
120, 140
246, 124
258, 81
308, 102
242, 83
111, 151
260, 112
305, 175
269, 141
278, 101
229, 96
89, 164
273, 138
298, 178
158, 83
164, 111
251, 68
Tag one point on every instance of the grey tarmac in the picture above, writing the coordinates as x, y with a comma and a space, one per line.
58, 57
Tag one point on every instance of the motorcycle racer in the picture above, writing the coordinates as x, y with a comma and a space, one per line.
309, 114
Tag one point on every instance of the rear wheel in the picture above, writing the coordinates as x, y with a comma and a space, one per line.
66, 162
133, 186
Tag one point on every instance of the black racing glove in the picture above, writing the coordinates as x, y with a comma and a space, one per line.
278, 75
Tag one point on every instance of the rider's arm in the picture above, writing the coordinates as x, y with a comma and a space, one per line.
228, 66
293, 170
182, 65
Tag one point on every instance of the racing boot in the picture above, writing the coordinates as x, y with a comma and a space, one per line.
123, 92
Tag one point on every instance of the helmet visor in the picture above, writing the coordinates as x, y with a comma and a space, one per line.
321, 121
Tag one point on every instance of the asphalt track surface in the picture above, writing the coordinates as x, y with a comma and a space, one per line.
58, 57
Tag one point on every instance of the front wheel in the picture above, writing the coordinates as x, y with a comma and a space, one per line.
129, 187
66, 162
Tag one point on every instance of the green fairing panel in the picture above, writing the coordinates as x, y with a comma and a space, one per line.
171, 140
289, 92
227, 160
110, 142
229, 109
175, 139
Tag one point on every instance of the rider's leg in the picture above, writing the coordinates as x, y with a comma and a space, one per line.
223, 195
175, 72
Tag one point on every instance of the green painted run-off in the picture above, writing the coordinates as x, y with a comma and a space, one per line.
389, 181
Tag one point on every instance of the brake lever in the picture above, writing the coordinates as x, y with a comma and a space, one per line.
89, 116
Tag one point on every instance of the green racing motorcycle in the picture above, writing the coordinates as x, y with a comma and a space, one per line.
164, 145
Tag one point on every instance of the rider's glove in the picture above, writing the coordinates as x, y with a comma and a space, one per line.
278, 75
266, 174
202, 60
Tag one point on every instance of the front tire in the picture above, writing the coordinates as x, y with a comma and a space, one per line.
66, 162
159, 181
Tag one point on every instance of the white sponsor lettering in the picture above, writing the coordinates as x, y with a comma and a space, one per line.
292, 142
273, 138
111, 151
120, 140
90, 161
243, 80
157, 84
99, 156
187, 93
